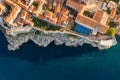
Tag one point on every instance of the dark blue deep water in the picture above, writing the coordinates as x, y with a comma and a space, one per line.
31, 62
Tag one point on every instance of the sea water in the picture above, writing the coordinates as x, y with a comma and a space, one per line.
32, 62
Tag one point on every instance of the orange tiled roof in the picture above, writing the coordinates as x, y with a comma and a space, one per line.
113, 12
23, 5
36, 0
29, 22
2, 8
65, 11
39, 8
31, 8
117, 18
101, 17
41, 16
63, 17
74, 4
58, 8
50, 17
13, 14
23, 14
19, 23
48, 14
9, 2
28, 19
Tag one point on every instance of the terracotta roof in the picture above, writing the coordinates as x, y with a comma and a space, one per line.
101, 17
9, 2
65, 11
117, 18
23, 6
23, 14
58, 8
41, 16
29, 22
28, 19
74, 4
2, 8
39, 8
19, 23
36, 0
113, 12
49, 16
25, 3
63, 17
13, 14
31, 8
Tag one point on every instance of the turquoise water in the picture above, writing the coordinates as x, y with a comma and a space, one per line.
31, 62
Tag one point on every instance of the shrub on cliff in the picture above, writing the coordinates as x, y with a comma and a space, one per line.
111, 32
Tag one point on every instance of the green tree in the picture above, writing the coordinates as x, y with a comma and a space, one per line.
108, 11
106, 0
111, 32
116, 1
88, 14
35, 4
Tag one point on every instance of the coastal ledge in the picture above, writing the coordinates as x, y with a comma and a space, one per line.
44, 39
